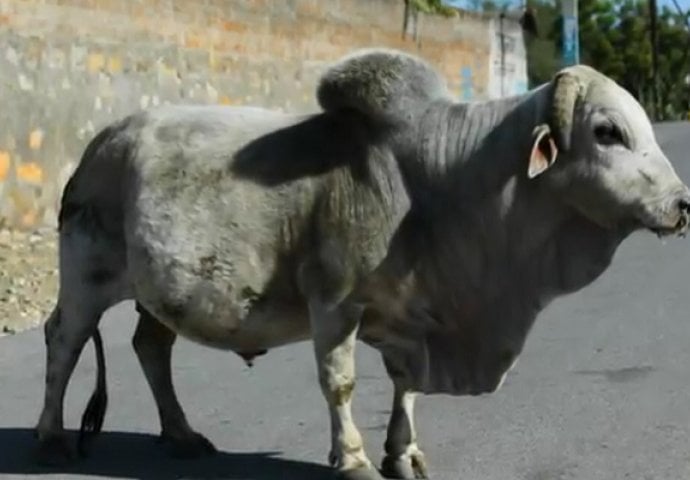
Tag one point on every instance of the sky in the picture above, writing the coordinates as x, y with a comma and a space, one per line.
683, 3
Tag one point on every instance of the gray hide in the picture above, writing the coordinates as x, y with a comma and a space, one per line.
433, 230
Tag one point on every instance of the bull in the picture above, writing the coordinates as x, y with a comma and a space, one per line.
432, 230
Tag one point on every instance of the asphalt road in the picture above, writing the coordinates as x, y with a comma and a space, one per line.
602, 391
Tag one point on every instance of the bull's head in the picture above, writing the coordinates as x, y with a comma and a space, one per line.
598, 150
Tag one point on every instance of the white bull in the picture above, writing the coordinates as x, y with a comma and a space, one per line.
433, 230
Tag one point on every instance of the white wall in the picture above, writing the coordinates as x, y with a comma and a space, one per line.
513, 79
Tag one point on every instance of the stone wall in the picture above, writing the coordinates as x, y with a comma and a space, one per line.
67, 67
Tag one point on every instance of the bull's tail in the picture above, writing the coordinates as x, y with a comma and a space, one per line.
73, 202
94, 414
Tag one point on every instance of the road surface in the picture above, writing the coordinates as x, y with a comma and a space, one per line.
601, 392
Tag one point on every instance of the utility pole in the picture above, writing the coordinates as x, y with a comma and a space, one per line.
571, 37
503, 51
655, 58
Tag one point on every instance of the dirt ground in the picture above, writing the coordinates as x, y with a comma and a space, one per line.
28, 278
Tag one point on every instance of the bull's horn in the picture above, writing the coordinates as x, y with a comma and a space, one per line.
566, 91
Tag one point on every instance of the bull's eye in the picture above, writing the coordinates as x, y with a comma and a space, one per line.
608, 134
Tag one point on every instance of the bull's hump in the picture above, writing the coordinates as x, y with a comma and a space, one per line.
384, 84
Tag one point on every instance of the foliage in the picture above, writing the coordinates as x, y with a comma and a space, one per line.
432, 6
614, 38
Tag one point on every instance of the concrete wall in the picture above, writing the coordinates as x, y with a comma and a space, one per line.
507, 59
67, 67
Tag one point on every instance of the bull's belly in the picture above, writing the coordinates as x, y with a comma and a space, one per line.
206, 314
260, 330
256, 333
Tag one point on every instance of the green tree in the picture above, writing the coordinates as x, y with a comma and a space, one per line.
674, 64
614, 38
543, 59
431, 6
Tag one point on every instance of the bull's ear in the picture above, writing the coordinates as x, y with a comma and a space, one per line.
543, 153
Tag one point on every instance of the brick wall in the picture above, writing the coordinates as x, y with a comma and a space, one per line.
67, 67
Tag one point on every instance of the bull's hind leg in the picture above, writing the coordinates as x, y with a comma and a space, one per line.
334, 331
67, 329
153, 343
91, 281
403, 458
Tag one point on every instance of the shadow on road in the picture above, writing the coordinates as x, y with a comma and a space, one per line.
139, 456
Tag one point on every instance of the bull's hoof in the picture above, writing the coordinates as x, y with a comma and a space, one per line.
361, 473
55, 452
405, 469
193, 445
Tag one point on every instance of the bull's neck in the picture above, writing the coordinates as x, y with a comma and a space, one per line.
470, 160
473, 149
472, 195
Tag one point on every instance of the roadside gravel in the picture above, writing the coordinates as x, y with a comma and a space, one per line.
28, 278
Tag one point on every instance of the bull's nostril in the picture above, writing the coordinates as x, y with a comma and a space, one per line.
684, 204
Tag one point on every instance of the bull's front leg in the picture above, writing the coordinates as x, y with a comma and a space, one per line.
334, 332
403, 458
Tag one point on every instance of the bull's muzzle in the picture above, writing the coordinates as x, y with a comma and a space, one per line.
683, 208
677, 216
